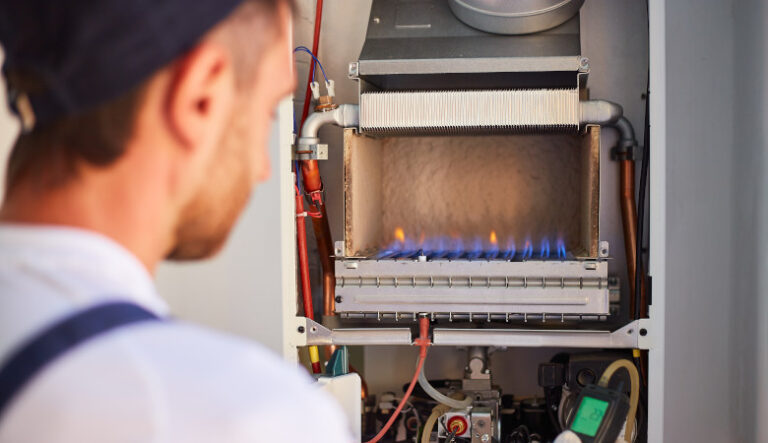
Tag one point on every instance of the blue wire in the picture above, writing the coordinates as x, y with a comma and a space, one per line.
317, 62
298, 182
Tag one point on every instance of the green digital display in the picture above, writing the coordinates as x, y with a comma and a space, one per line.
589, 416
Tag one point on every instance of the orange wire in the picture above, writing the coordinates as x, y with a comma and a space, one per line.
423, 343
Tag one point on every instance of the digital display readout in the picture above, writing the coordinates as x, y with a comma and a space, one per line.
589, 416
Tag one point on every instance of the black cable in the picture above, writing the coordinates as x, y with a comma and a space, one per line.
641, 202
552, 402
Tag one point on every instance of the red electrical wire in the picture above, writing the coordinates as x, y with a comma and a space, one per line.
306, 289
422, 342
301, 225
315, 47
301, 240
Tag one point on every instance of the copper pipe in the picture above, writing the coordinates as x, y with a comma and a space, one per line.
623, 150
313, 185
325, 251
301, 236
629, 219
311, 176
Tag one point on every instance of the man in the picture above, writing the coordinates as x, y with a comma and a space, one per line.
144, 129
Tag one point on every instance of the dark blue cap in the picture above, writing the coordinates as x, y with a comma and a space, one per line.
87, 52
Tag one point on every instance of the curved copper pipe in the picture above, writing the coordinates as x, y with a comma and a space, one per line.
312, 184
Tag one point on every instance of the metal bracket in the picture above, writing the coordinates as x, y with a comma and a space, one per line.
604, 249
634, 335
627, 337
316, 334
317, 151
645, 337
353, 70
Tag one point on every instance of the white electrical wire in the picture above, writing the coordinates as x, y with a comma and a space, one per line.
440, 398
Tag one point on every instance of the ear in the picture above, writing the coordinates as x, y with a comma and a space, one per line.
201, 95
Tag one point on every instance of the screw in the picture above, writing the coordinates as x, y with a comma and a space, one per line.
301, 329
376, 20
584, 63
338, 299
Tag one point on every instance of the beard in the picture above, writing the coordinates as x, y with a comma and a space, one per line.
207, 220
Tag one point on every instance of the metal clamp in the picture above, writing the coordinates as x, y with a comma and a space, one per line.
624, 150
317, 151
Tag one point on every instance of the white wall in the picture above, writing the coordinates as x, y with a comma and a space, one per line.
700, 137
716, 212
749, 196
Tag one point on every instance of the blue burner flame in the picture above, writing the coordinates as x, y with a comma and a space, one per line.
527, 249
454, 248
561, 249
510, 252
457, 248
434, 247
492, 252
477, 249
544, 247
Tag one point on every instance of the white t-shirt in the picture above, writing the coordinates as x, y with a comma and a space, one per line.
146, 382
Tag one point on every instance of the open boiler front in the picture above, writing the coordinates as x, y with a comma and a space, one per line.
482, 211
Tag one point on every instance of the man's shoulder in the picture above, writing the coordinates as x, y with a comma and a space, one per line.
173, 345
247, 383
194, 383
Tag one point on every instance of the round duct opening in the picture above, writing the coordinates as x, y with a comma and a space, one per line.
514, 17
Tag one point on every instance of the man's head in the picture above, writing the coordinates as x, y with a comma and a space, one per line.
196, 130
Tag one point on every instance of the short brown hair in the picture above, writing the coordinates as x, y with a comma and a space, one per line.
98, 136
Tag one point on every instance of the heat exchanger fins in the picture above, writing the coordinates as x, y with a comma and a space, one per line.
470, 111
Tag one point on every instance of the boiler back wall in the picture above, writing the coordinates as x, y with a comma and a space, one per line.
520, 186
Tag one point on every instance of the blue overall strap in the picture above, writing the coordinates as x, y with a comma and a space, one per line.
53, 342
